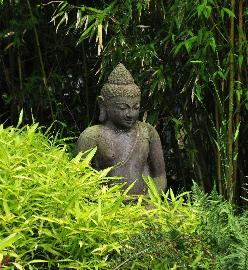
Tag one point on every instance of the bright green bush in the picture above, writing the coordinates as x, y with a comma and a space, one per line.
171, 240
58, 213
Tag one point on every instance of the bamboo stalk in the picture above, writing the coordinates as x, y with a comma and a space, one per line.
237, 118
20, 77
85, 77
230, 110
20, 69
218, 154
44, 77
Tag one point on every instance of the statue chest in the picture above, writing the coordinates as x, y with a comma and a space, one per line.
124, 148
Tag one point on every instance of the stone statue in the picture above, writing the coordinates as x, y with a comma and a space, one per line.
131, 146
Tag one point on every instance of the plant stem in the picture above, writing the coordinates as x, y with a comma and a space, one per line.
237, 118
218, 153
85, 78
44, 77
230, 110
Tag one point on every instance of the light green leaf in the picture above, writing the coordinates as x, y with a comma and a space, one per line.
228, 11
20, 119
8, 241
86, 33
18, 266
196, 62
236, 132
90, 155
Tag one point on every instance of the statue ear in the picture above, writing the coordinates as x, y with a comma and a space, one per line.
103, 114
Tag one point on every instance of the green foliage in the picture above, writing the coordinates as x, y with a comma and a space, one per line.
179, 52
36, 73
154, 249
170, 241
59, 213
223, 229
173, 212
218, 241
56, 212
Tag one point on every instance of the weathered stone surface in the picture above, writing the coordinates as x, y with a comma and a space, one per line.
132, 147
120, 83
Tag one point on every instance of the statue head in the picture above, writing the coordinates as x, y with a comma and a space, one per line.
120, 99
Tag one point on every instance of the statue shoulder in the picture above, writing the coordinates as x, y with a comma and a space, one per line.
147, 130
92, 132
88, 138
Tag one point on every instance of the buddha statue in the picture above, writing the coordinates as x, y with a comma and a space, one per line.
132, 147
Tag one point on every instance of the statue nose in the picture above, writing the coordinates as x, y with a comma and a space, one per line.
130, 113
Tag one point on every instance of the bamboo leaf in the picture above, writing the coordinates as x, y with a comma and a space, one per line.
240, 60
86, 33
99, 38
236, 134
105, 172
18, 266
178, 48
8, 241
79, 16
213, 44
9, 46
6, 207
64, 18
20, 119
227, 11
89, 157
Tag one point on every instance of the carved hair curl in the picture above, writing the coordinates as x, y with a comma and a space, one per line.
120, 83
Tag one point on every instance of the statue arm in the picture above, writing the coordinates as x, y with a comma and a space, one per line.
156, 161
86, 141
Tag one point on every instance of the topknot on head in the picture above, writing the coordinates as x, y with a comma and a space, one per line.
120, 83
120, 76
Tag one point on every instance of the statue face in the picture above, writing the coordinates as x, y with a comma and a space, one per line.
123, 112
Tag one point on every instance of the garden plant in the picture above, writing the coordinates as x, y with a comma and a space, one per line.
56, 212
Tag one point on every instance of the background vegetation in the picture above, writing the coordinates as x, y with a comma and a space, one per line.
189, 58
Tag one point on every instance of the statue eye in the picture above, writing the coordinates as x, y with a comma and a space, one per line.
122, 107
136, 107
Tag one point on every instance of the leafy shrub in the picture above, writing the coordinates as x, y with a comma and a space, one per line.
58, 212
223, 229
171, 240
155, 249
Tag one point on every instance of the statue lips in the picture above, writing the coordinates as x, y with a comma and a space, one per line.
129, 122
